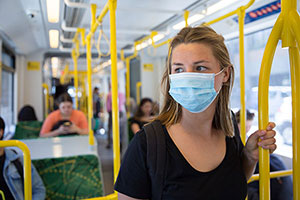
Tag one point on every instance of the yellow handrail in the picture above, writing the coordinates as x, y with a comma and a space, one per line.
275, 174
26, 165
138, 95
287, 29
74, 57
45, 86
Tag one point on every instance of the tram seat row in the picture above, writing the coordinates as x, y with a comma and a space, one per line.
64, 176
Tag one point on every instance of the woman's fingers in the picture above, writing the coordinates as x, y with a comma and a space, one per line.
266, 142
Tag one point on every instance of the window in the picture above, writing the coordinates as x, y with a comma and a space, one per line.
279, 90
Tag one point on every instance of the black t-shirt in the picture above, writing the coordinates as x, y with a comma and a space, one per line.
182, 181
140, 123
3, 186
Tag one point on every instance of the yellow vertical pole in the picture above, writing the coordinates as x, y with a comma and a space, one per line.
128, 86
45, 86
138, 94
186, 17
26, 165
89, 77
241, 14
90, 94
114, 82
74, 56
263, 106
295, 74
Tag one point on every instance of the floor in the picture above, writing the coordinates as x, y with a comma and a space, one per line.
106, 158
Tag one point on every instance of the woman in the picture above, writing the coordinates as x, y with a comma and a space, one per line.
65, 120
27, 113
143, 115
203, 160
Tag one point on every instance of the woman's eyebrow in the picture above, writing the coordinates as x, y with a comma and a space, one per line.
177, 64
200, 62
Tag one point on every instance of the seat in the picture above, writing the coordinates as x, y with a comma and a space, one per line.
76, 177
27, 130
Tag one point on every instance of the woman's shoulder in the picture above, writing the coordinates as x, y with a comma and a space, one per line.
78, 113
54, 114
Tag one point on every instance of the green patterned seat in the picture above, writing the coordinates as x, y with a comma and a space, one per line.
76, 177
27, 130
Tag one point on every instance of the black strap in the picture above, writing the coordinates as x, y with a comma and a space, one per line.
236, 131
19, 167
156, 157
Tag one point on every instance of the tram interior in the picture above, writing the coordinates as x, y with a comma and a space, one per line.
29, 58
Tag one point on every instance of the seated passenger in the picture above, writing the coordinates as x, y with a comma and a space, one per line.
11, 174
143, 115
27, 113
65, 120
281, 187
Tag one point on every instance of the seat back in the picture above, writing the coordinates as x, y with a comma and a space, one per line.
28, 130
76, 177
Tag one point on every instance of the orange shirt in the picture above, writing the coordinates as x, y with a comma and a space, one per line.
77, 117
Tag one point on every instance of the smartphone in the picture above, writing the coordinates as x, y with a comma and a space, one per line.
67, 124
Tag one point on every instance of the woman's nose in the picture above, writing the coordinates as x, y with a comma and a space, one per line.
189, 69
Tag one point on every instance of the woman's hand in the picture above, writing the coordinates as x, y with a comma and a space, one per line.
262, 138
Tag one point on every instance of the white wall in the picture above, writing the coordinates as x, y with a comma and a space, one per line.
29, 83
151, 81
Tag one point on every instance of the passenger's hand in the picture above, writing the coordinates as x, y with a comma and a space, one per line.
62, 130
73, 128
262, 138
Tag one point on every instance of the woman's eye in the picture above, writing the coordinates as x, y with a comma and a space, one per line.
178, 70
200, 68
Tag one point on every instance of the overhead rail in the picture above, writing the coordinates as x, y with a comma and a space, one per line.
137, 9
26, 165
287, 30
46, 93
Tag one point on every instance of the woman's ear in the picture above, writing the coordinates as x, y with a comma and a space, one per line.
227, 73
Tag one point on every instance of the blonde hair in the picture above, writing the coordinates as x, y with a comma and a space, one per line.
171, 112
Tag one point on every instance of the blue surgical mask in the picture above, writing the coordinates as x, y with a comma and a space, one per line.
194, 91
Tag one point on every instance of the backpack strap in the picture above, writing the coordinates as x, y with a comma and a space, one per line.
156, 157
19, 167
237, 135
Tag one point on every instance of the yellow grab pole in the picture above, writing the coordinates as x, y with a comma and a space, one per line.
114, 81
128, 86
241, 14
275, 174
89, 76
45, 86
263, 106
26, 165
90, 94
295, 74
138, 95
74, 57
186, 17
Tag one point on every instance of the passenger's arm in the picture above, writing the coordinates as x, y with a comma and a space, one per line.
38, 188
125, 197
250, 153
135, 128
76, 129
60, 131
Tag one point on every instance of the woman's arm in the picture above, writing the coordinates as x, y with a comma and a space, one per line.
75, 129
250, 153
60, 131
125, 197
135, 128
